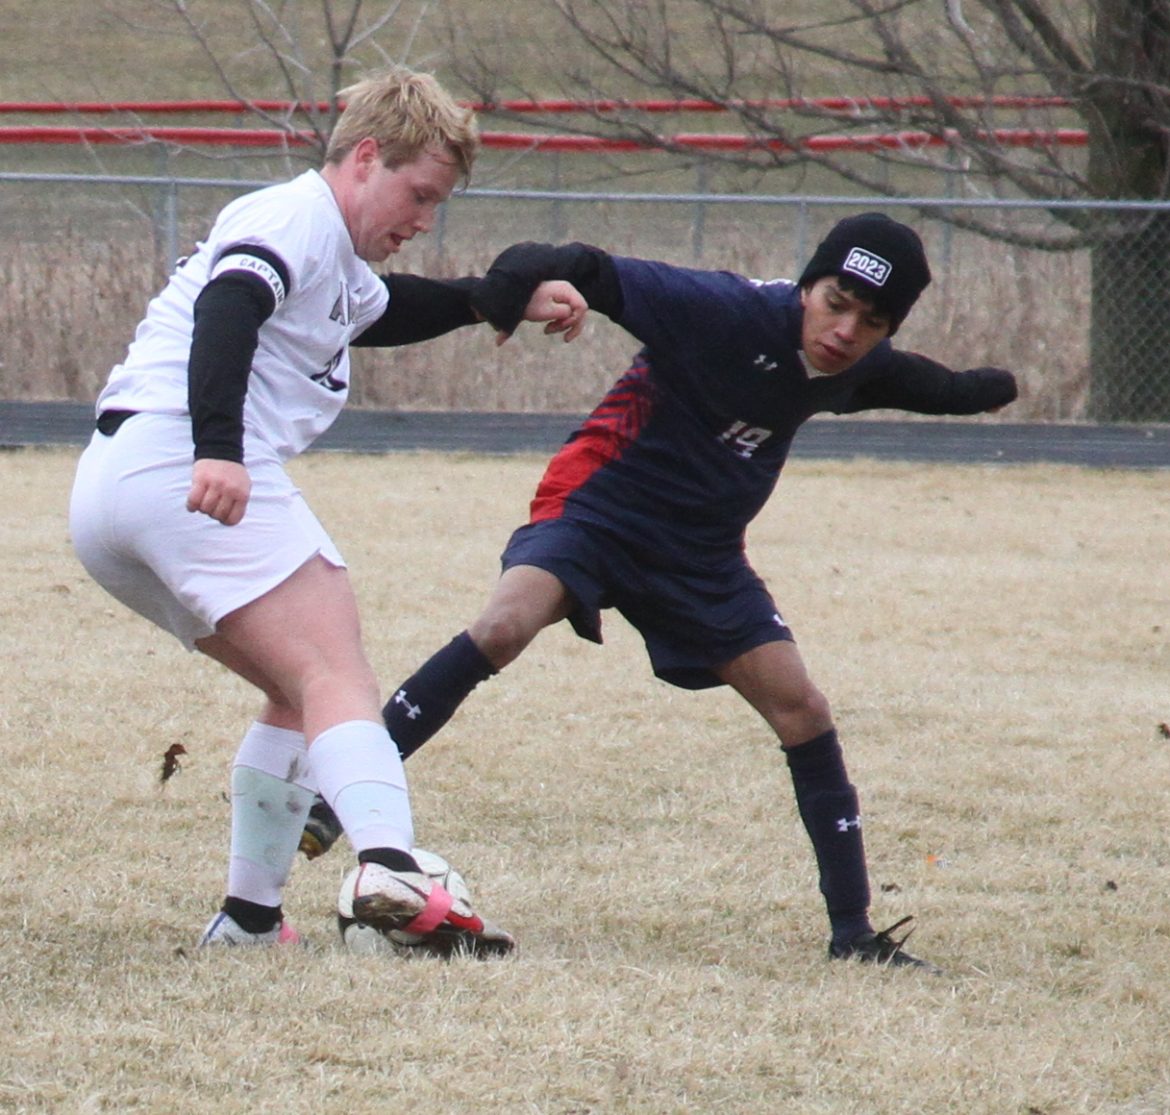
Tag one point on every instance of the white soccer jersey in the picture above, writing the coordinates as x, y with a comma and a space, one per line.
300, 372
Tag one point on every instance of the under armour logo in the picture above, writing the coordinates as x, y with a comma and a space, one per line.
762, 361
413, 712
844, 824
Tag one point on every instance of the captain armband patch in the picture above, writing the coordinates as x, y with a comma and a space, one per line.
253, 265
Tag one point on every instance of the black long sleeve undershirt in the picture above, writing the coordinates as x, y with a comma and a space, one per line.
227, 317
419, 309
503, 293
916, 383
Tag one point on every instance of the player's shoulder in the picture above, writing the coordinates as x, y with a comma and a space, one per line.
293, 219
294, 194
721, 283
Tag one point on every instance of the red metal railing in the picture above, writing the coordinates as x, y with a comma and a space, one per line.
276, 138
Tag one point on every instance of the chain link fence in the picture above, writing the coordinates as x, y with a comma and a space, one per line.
80, 255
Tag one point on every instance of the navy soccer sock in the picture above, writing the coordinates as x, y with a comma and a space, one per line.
429, 698
829, 809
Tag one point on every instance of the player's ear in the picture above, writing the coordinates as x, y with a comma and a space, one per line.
366, 156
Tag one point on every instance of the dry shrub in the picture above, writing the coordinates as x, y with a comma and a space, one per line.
73, 304
70, 309
1013, 308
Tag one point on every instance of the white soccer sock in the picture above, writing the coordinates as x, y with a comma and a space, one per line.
360, 774
272, 791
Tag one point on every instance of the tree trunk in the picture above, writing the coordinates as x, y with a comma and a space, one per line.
1129, 332
1129, 339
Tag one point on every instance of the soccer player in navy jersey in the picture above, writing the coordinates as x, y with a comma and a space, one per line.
645, 508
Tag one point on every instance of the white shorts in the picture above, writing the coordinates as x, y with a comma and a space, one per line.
183, 570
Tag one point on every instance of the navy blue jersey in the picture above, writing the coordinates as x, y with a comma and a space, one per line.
687, 446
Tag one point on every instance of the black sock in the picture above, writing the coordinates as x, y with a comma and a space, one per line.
829, 809
393, 858
250, 916
429, 698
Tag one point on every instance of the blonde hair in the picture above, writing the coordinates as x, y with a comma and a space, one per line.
407, 113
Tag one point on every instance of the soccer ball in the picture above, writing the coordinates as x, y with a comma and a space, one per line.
364, 939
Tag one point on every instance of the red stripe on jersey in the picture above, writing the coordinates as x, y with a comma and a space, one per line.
612, 426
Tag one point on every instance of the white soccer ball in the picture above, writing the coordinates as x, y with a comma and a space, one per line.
364, 939
433, 864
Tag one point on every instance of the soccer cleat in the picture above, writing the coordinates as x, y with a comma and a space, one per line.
322, 830
414, 910
882, 948
449, 940
224, 930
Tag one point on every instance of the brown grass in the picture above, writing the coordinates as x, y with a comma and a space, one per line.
995, 644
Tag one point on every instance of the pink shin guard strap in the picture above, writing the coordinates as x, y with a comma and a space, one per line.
433, 914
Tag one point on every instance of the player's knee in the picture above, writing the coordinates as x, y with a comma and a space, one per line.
800, 714
348, 683
814, 705
501, 635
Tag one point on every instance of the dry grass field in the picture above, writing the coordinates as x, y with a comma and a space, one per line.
996, 644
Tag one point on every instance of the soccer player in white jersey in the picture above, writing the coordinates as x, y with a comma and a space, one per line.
182, 510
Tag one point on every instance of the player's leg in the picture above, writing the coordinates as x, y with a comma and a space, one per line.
773, 679
271, 792
526, 599
550, 573
419, 707
304, 636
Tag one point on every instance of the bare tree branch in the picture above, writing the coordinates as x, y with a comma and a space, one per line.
914, 56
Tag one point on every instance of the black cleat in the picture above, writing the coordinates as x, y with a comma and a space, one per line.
322, 830
882, 948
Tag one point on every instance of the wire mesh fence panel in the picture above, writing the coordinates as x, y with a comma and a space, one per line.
1083, 330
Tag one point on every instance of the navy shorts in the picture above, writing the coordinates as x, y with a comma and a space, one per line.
691, 619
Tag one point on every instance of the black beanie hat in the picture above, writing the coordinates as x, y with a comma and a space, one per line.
885, 260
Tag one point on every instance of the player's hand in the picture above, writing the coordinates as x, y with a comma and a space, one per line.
220, 489
559, 305
1001, 383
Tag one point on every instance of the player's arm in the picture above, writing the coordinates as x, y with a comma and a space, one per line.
419, 309
916, 383
503, 295
246, 285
